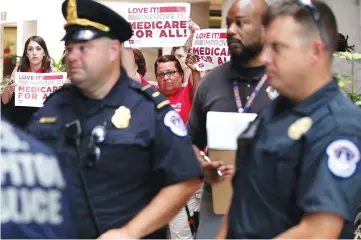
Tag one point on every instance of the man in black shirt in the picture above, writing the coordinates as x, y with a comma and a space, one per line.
221, 87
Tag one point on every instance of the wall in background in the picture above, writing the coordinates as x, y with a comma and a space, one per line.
9, 43
49, 24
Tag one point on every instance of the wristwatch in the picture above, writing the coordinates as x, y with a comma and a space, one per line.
9, 81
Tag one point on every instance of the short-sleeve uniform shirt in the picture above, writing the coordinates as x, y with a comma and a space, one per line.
302, 159
145, 148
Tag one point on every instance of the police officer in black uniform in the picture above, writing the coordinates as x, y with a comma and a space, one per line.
132, 161
298, 173
35, 194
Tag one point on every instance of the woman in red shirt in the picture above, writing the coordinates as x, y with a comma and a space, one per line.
36, 59
181, 54
170, 77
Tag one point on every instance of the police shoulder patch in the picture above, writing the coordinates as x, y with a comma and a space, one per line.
343, 157
159, 99
175, 123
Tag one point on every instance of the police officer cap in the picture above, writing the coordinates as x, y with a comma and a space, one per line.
88, 19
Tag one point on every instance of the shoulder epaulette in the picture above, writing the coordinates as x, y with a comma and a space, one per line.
159, 99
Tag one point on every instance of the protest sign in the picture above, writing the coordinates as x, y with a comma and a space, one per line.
158, 25
210, 48
33, 88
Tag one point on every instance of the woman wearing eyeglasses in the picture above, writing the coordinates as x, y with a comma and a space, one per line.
171, 83
170, 77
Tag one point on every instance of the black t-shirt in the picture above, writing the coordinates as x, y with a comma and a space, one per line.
215, 93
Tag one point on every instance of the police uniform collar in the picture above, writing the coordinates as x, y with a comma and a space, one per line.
119, 90
88, 19
112, 99
321, 97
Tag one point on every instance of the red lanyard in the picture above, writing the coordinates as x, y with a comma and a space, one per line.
246, 108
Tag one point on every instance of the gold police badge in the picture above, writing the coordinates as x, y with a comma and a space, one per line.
299, 127
121, 117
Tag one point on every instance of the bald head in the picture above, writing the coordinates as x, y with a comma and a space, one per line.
245, 30
254, 8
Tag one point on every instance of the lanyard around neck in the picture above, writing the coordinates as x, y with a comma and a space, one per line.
251, 98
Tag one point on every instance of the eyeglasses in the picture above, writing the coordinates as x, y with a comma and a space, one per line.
97, 136
316, 17
169, 74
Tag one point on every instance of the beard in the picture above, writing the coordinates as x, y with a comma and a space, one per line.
243, 54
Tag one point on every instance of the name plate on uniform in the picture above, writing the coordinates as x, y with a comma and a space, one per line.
223, 129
